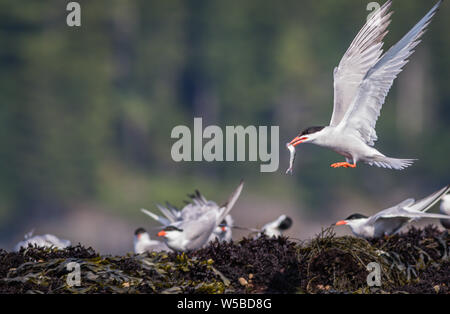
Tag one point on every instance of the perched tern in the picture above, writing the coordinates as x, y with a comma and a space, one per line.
143, 243
195, 230
389, 221
46, 240
361, 83
445, 210
223, 231
196, 208
277, 227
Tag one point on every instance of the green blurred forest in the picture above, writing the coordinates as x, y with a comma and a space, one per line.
86, 112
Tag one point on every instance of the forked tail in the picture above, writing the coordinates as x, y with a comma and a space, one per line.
391, 163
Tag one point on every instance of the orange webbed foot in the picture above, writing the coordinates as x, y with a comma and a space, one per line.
343, 164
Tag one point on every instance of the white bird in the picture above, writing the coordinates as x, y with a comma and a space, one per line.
198, 206
445, 210
143, 243
46, 240
223, 232
389, 221
361, 83
277, 227
194, 231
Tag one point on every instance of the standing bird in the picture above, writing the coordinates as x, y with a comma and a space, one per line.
223, 231
389, 221
361, 83
143, 243
445, 210
195, 230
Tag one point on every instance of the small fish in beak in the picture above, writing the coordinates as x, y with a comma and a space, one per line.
291, 159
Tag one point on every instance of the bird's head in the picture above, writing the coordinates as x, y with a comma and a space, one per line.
224, 227
141, 235
352, 220
307, 135
285, 222
171, 233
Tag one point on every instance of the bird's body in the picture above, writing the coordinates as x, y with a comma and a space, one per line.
143, 243
445, 210
361, 83
198, 207
197, 226
389, 221
46, 240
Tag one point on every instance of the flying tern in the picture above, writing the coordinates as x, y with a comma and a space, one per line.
445, 210
143, 243
389, 221
46, 240
362, 81
195, 230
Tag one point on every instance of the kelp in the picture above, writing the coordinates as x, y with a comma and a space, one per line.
416, 261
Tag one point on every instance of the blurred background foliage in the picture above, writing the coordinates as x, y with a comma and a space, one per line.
86, 112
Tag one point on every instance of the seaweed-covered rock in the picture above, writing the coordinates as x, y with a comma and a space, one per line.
416, 261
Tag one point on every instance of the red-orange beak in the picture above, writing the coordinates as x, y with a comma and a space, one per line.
224, 228
298, 140
162, 233
341, 223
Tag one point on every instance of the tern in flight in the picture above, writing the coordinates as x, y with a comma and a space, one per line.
361, 83
389, 221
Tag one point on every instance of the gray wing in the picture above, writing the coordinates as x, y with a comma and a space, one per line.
163, 221
226, 208
199, 231
403, 213
426, 203
363, 53
362, 115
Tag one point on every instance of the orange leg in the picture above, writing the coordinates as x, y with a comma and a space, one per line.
343, 164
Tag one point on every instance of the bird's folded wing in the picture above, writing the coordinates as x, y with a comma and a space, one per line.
363, 53
402, 213
364, 111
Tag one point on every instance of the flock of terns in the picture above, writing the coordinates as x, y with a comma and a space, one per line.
361, 83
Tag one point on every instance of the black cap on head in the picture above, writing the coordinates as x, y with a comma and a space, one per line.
172, 228
286, 223
311, 130
139, 231
355, 216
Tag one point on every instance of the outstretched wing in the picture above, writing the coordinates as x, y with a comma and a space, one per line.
365, 109
426, 203
363, 53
